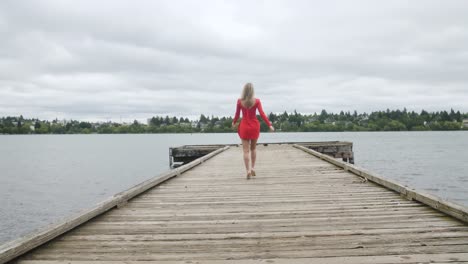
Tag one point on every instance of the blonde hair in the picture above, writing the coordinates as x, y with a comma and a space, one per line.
247, 97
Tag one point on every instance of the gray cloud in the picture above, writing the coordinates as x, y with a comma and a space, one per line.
101, 60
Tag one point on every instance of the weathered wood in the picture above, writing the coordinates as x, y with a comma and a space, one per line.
337, 149
298, 209
385, 259
185, 154
17, 247
455, 210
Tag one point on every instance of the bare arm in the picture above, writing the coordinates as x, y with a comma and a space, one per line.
264, 117
236, 116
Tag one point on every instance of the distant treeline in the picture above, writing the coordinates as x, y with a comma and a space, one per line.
389, 120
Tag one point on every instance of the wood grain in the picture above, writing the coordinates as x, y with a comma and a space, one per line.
17, 247
298, 209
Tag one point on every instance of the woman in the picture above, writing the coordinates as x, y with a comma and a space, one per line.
249, 127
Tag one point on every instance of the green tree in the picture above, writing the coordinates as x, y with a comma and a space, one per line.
395, 126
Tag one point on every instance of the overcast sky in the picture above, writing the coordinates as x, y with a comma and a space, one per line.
101, 60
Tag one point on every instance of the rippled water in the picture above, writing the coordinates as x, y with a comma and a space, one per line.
44, 178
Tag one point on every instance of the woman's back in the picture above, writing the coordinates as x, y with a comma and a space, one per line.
249, 113
249, 127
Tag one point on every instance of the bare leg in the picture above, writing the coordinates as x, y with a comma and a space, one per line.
253, 152
246, 148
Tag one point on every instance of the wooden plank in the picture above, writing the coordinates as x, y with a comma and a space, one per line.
384, 259
254, 252
18, 247
271, 235
452, 209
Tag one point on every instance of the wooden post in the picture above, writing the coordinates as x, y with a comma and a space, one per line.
171, 159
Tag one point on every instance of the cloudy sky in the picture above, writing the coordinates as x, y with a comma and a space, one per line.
101, 60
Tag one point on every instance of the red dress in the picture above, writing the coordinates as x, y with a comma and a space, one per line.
249, 127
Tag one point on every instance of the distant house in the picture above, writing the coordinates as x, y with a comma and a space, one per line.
97, 124
63, 122
203, 125
218, 124
32, 128
465, 122
311, 119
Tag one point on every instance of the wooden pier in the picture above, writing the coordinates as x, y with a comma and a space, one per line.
302, 207
187, 153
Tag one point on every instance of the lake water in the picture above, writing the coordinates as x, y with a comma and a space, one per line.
44, 178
